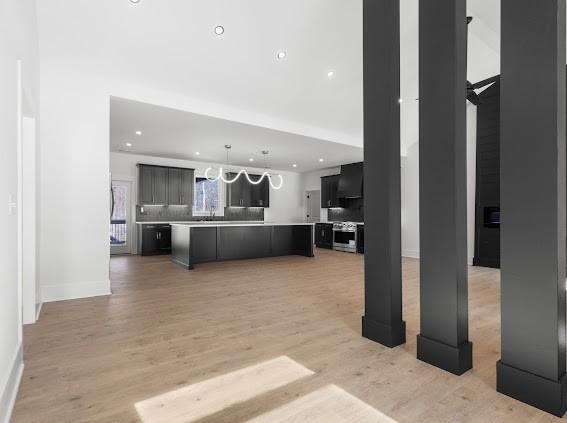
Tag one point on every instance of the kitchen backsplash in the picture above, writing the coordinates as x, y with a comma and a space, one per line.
185, 213
352, 212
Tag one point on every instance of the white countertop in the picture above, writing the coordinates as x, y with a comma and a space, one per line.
198, 222
224, 223
330, 223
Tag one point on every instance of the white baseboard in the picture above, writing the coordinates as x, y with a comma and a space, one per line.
38, 311
73, 291
11, 386
415, 254
410, 254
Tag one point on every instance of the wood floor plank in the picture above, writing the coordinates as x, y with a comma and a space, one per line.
165, 328
191, 403
329, 404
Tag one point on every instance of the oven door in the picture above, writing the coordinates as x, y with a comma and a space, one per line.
344, 241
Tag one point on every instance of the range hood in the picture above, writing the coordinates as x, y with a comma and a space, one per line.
350, 181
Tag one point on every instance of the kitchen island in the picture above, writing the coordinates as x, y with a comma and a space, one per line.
199, 242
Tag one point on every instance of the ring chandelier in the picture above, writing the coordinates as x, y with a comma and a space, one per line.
244, 172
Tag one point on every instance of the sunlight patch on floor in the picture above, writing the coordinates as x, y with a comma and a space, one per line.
210, 396
329, 404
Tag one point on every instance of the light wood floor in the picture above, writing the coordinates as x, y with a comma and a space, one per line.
165, 328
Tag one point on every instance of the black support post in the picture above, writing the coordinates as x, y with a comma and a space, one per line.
532, 201
443, 341
382, 321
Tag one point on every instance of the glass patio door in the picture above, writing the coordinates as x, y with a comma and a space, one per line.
120, 218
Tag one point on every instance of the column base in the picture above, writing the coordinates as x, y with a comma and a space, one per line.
456, 360
546, 394
390, 336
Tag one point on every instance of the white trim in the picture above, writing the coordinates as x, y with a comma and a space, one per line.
72, 291
38, 308
221, 198
11, 386
415, 255
131, 245
133, 203
410, 254
19, 200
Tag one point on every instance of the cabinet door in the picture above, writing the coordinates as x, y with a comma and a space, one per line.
164, 239
265, 193
333, 191
187, 186
174, 187
246, 191
318, 234
260, 193
160, 178
145, 185
233, 195
329, 185
324, 193
239, 193
149, 240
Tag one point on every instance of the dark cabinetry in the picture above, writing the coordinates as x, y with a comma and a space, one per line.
351, 180
152, 185
161, 185
242, 193
180, 186
154, 240
329, 187
360, 239
324, 235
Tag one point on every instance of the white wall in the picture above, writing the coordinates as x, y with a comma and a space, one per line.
75, 169
18, 40
410, 192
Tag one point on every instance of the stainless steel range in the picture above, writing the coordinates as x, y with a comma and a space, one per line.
344, 236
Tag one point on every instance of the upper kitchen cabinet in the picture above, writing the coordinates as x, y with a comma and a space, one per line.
350, 181
329, 187
180, 186
244, 194
152, 185
238, 194
260, 196
161, 185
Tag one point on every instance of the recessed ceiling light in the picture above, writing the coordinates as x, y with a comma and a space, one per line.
331, 74
250, 159
400, 100
281, 55
321, 160
135, 1
197, 153
128, 144
138, 132
294, 165
219, 29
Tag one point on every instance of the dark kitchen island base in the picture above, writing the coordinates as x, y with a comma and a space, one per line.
201, 243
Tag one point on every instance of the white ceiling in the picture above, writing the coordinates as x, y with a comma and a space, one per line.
179, 134
170, 45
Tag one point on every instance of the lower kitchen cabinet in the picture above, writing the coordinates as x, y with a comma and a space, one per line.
360, 239
154, 239
324, 235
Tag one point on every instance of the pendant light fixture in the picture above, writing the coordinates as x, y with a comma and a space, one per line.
266, 174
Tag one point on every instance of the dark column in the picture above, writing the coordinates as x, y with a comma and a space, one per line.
443, 340
532, 200
382, 321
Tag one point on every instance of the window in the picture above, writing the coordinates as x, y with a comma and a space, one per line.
208, 197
